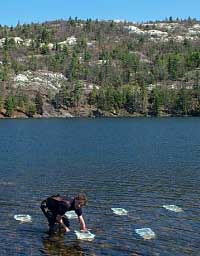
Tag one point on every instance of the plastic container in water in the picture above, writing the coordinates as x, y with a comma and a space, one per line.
71, 215
84, 235
23, 217
119, 211
173, 208
146, 233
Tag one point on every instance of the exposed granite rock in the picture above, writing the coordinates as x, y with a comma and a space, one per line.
43, 81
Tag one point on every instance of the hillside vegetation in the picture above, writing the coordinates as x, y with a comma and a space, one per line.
100, 68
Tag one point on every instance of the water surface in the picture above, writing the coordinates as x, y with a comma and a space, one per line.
138, 164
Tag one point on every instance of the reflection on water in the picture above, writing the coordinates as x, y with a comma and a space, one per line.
135, 164
58, 246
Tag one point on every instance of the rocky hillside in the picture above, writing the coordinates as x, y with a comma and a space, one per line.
91, 68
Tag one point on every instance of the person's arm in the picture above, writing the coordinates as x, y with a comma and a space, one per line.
82, 223
59, 220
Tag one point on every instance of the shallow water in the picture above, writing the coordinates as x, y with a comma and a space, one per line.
137, 164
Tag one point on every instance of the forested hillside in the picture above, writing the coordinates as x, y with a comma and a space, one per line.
100, 68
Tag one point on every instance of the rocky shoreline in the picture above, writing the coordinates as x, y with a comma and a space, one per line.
83, 114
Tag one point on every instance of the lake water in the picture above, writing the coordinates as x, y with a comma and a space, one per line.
138, 164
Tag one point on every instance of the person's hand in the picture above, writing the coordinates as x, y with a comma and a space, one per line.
67, 229
84, 230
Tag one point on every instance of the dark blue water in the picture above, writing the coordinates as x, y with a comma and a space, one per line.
138, 164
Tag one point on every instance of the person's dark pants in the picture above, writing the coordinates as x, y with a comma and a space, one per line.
54, 227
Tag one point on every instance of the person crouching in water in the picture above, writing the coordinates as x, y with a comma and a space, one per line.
55, 207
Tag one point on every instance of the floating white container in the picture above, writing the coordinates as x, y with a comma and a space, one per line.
173, 208
119, 211
23, 217
146, 233
71, 215
84, 235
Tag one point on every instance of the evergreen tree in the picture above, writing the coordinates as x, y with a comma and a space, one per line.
92, 99
76, 93
10, 105
184, 102
1, 103
39, 103
31, 110
156, 101
172, 68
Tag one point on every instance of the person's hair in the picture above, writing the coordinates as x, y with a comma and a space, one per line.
82, 199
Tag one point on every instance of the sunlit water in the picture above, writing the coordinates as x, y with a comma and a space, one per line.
137, 164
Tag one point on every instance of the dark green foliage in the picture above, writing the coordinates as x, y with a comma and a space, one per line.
76, 94
156, 100
31, 110
63, 98
183, 103
10, 105
39, 104
1, 103
44, 49
22, 102
133, 98
73, 71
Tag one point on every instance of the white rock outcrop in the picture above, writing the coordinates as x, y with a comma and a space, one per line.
157, 33
21, 78
39, 81
134, 29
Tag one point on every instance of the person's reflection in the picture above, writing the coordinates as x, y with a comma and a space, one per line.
58, 246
